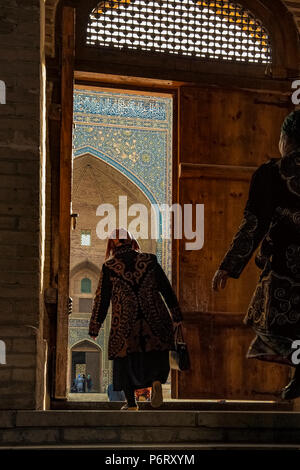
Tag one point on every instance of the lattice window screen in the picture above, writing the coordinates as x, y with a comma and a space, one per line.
85, 238
204, 29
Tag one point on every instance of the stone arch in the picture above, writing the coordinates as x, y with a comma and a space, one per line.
85, 265
88, 356
88, 342
109, 161
105, 170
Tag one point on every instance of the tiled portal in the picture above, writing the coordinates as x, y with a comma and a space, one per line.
133, 133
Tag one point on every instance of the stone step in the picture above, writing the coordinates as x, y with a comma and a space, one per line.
180, 405
144, 428
156, 447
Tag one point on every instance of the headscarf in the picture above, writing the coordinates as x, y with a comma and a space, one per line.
291, 127
289, 164
125, 237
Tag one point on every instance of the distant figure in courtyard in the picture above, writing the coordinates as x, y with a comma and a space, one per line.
89, 383
84, 382
79, 382
142, 330
272, 220
74, 387
115, 395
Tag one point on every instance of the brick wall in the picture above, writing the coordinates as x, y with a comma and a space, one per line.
21, 204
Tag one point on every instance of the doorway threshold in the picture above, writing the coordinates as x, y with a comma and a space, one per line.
173, 405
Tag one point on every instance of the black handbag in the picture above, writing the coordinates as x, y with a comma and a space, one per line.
179, 358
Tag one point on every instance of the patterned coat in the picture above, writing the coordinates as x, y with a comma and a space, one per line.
135, 283
272, 220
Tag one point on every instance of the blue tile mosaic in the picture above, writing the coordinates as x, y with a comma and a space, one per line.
128, 106
132, 133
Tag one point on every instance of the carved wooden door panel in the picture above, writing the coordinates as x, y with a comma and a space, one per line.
224, 136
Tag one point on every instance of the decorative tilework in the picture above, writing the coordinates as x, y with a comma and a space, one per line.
132, 133
108, 104
83, 323
79, 333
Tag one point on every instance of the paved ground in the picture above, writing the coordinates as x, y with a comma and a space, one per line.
88, 397
103, 396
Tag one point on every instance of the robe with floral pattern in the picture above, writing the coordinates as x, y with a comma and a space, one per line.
143, 304
272, 223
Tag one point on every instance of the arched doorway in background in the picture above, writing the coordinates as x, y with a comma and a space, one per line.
86, 358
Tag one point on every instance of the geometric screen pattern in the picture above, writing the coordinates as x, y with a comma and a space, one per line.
200, 29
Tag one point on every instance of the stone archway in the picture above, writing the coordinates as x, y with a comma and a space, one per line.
86, 357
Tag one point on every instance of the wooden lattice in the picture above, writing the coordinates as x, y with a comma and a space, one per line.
204, 29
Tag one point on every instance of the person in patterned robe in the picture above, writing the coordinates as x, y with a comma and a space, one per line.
272, 222
142, 329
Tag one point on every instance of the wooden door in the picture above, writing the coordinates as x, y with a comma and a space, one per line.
224, 136
65, 183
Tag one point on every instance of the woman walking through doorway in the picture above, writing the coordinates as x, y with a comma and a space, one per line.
142, 330
272, 219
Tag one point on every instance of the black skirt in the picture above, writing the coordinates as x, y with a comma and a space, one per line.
140, 369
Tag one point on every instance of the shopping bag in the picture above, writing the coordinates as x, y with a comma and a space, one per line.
179, 358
